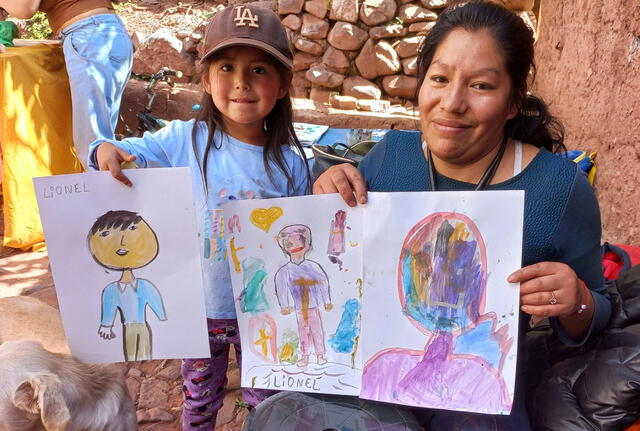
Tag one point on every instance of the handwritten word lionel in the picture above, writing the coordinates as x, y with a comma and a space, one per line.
289, 382
64, 190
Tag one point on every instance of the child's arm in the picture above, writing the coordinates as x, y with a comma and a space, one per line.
23, 9
110, 157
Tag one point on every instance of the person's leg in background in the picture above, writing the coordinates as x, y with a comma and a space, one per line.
99, 56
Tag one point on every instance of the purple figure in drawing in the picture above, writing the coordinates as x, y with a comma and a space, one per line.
442, 276
336, 238
303, 284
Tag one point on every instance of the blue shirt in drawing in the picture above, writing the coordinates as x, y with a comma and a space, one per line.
131, 298
234, 171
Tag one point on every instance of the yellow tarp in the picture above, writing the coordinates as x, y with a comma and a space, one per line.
35, 135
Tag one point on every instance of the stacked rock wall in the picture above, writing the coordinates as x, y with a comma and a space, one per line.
355, 54
362, 53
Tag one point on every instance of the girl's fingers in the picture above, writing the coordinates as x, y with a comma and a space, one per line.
126, 157
116, 172
110, 157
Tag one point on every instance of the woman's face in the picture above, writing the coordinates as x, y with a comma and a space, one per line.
465, 99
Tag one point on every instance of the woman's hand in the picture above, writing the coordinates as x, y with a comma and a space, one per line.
344, 179
110, 158
548, 289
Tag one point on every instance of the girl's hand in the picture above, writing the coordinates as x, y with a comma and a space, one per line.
344, 179
110, 158
548, 289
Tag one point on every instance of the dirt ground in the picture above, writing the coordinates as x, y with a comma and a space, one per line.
147, 16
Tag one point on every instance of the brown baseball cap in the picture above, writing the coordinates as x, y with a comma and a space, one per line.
247, 25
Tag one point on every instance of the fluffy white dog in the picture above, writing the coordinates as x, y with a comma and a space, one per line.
40, 390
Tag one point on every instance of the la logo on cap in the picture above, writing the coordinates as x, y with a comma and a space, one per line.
244, 15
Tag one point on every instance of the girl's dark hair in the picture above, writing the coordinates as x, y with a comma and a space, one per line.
279, 127
533, 123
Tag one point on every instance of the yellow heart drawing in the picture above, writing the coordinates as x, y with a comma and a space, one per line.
264, 217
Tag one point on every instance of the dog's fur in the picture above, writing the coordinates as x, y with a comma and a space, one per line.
40, 390
26, 318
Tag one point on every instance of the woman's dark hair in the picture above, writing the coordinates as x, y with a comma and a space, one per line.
533, 123
278, 124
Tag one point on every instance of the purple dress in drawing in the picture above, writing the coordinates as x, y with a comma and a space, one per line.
442, 283
309, 288
302, 285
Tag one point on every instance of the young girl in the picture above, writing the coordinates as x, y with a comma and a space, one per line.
239, 147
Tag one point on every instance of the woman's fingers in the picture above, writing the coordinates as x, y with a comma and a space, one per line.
344, 179
532, 271
357, 182
547, 289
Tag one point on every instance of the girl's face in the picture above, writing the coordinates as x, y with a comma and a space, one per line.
245, 84
465, 99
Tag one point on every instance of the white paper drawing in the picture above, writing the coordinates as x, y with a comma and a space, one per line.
296, 271
439, 319
126, 264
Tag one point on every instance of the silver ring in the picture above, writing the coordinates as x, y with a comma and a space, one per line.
553, 300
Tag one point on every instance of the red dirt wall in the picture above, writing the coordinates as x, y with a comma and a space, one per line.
588, 58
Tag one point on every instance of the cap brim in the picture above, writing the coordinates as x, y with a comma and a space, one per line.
243, 41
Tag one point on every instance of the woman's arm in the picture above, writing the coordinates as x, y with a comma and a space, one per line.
555, 289
23, 9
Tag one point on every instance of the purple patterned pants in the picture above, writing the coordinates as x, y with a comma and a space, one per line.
205, 380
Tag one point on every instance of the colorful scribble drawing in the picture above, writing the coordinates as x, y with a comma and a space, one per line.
289, 349
303, 285
253, 298
345, 339
442, 278
214, 245
123, 241
336, 237
262, 332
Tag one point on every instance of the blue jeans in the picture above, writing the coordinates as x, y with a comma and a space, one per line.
99, 56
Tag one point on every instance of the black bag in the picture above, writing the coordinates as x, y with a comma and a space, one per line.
325, 156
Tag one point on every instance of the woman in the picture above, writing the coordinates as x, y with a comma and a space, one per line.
98, 56
482, 130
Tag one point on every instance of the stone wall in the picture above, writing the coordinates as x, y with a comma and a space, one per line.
353, 54
588, 58
359, 54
